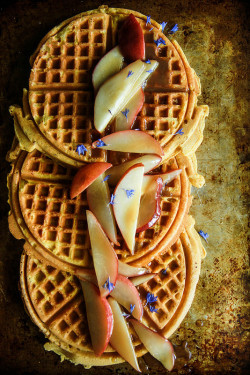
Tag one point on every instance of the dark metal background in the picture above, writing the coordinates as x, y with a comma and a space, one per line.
213, 35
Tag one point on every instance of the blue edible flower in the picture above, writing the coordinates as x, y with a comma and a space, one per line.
100, 143
110, 112
106, 178
179, 132
130, 193
148, 61
149, 71
174, 29
163, 25
132, 307
130, 73
160, 41
151, 298
81, 149
203, 235
153, 309
125, 113
108, 285
148, 20
164, 271
112, 199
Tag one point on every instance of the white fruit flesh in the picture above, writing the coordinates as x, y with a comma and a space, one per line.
104, 257
110, 64
120, 338
98, 197
138, 280
129, 271
150, 162
159, 347
126, 208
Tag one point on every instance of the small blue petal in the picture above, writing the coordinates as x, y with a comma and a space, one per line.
110, 112
125, 113
153, 309
100, 143
148, 62
106, 178
151, 298
148, 20
179, 132
130, 73
130, 193
149, 71
81, 149
108, 285
163, 25
151, 29
203, 235
112, 199
160, 41
164, 272
132, 307
174, 29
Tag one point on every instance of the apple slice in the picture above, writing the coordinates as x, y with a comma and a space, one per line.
150, 162
126, 204
150, 205
125, 121
110, 64
131, 39
120, 339
129, 271
138, 280
104, 256
159, 347
98, 197
117, 91
166, 178
85, 176
127, 295
130, 141
99, 316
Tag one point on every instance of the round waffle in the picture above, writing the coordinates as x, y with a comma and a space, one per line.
54, 299
55, 226
58, 111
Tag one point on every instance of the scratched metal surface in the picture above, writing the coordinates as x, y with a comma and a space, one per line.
213, 35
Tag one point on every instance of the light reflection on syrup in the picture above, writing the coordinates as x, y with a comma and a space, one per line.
182, 354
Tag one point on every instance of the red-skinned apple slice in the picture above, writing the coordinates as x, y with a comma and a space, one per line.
129, 271
138, 280
118, 90
150, 162
131, 141
98, 197
104, 257
131, 39
120, 339
99, 316
133, 107
166, 178
126, 204
110, 64
127, 295
150, 208
159, 347
85, 176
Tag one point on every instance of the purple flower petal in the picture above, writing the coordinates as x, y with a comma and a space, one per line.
81, 149
174, 29
203, 235
100, 143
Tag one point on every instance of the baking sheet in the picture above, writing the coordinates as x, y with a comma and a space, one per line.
214, 337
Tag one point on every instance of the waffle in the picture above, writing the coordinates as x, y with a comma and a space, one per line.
54, 299
58, 108
55, 226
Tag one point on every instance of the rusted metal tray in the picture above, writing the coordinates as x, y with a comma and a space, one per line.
214, 337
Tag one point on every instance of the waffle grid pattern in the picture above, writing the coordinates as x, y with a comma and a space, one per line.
59, 223
61, 95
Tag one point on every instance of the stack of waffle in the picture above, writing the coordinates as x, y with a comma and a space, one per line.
57, 115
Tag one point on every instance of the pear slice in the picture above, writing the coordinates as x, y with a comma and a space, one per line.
133, 107
110, 64
150, 162
99, 316
127, 295
129, 271
117, 91
120, 339
98, 197
159, 347
104, 256
126, 203
138, 280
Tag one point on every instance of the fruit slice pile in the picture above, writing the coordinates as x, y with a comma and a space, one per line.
133, 203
